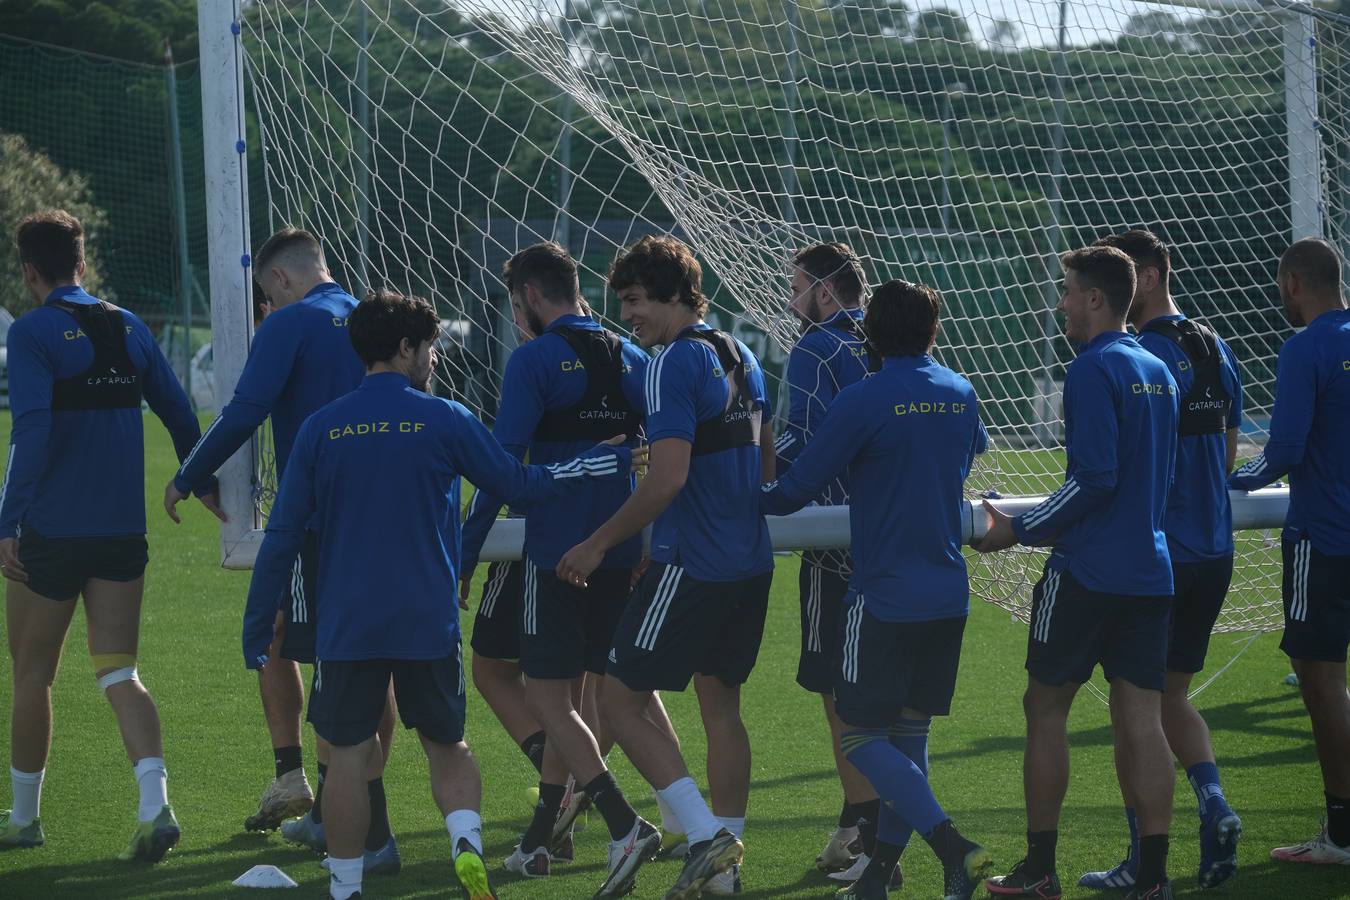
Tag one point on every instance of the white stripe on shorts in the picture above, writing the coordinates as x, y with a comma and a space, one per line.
1049, 592
657, 609
852, 634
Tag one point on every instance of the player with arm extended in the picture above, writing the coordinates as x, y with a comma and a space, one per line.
391, 454
300, 359
1309, 434
1106, 594
699, 609
906, 439
573, 384
1199, 542
72, 516
828, 286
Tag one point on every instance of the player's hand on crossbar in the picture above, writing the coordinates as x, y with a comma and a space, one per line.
999, 534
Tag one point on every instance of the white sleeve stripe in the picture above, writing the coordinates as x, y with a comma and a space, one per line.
4, 491
1051, 505
653, 384
200, 442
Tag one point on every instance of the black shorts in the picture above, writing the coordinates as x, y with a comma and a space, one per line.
675, 626
496, 625
1316, 603
1073, 629
1201, 588
347, 698
824, 585
884, 667
566, 631
297, 605
59, 567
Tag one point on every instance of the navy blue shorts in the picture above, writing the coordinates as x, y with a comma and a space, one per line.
1074, 629
1316, 603
883, 667
1201, 588
496, 625
297, 606
823, 583
59, 567
347, 698
566, 631
675, 626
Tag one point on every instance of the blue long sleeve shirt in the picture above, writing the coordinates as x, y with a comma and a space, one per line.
907, 437
713, 528
543, 375
1199, 514
81, 473
1310, 434
378, 471
1107, 521
826, 359
301, 358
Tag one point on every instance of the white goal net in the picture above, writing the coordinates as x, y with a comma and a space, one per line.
963, 145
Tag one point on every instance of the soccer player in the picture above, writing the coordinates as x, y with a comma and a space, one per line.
828, 285
300, 359
572, 385
1199, 542
905, 439
699, 609
1105, 596
378, 473
1309, 433
72, 516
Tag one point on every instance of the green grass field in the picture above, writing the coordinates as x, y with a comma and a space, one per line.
219, 761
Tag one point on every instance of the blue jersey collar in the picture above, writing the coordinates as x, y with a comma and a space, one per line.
1106, 337
323, 287
72, 293
697, 326
855, 314
1179, 317
906, 362
395, 380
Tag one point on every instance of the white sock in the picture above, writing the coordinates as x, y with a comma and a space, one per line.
670, 823
735, 826
466, 824
153, 782
687, 802
344, 877
27, 788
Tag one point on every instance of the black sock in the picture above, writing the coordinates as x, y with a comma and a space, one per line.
1041, 852
868, 812
316, 811
378, 835
848, 816
1338, 820
540, 832
884, 858
533, 748
613, 805
1152, 860
948, 844
287, 759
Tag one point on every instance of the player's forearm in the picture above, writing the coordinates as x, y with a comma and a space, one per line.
27, 453
230, 431
1059, 512
276, 557
1272, 464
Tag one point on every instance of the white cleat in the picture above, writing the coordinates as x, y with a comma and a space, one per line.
626, 855
724, 883
535, 864
853, 872
1320, 850
841, 851
285, 798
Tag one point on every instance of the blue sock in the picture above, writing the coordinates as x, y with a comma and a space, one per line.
898, 781
1204, 778
1134, 833
910, 737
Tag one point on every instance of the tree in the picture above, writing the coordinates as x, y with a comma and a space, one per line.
870, 18
123, 29
30, 182
940, 23
1003, 33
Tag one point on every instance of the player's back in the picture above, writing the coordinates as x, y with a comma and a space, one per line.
1315, 381
921, 435
1121, 412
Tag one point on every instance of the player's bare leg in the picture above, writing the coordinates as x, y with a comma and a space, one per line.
283, 701
457, 788
1322, 685
1137, 714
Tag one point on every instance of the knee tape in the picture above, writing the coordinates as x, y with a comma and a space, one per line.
124, 668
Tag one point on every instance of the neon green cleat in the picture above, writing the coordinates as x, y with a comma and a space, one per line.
20, 836
152, 840
472, 874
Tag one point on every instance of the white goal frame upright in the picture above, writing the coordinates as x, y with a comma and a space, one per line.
225, 143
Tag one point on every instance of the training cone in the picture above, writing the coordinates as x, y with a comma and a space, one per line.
264, 877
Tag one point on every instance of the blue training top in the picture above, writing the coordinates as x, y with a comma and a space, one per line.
826, 359
907, 437
713, 528
300, 359
1120, 437
544, 376
1199, 514
378, 471
75, 470
1310, 435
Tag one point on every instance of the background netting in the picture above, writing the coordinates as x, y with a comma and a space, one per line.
964, 147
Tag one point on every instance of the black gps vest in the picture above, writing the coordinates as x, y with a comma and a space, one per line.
603, 410
111, 381
738, 425
1205, 408
854, 328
